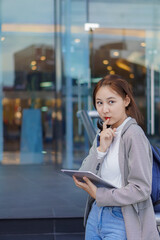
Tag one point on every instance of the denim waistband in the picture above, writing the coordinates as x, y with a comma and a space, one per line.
118, 208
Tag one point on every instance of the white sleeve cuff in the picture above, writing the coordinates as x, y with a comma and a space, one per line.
101, 154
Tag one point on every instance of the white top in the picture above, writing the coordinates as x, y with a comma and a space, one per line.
110, 168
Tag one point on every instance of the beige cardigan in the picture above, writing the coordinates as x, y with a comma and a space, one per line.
135, 161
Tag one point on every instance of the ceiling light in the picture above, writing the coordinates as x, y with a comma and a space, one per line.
105, 62
109, 68
33, 63
43, 58
91, 26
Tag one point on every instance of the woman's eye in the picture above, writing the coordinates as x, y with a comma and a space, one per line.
111, 102
99, 103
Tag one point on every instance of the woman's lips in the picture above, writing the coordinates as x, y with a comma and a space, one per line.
107, 118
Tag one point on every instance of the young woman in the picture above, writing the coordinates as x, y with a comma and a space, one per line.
121, 154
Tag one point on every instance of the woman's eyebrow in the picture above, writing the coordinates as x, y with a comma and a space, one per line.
111, 98
106, 98
98, 99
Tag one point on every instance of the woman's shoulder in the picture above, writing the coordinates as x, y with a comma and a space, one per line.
132, 129
134, 136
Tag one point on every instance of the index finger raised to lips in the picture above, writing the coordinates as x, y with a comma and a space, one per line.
105, 124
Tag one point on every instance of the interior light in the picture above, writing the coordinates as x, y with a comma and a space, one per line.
95, 80
44, 152
2, 39
105, 62
77, 40
112, 72
43, 58
18, 115
53, 115
131, 75
123, 66
59, 116
91, 26
46, 84
143, 44
44, 109
116, 53
109, 68
33, 63
34, 68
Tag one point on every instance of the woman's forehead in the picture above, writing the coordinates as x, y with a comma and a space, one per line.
106, 91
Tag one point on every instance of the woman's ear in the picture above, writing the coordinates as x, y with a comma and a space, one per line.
127, 101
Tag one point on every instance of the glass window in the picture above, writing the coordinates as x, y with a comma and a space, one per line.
127, 43
28, 81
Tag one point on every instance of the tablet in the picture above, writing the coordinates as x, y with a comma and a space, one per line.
99, 182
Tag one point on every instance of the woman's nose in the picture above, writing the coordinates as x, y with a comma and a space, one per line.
105, 108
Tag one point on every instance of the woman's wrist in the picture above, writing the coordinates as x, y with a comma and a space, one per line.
100, 149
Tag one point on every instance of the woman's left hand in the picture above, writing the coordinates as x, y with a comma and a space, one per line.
88, 186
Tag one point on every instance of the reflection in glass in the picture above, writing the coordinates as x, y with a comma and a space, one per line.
49, 62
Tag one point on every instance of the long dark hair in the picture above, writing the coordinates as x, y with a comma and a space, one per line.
123, 88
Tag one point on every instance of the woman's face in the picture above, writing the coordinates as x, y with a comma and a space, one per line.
110, 104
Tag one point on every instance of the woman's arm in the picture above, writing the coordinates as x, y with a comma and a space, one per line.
139, 179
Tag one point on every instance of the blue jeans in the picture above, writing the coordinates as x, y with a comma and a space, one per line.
105, 223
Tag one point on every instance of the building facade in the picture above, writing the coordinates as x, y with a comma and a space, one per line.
52, 54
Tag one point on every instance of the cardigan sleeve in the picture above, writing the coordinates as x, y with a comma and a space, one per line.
139, 180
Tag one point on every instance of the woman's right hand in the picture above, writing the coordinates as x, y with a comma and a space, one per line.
106, 137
